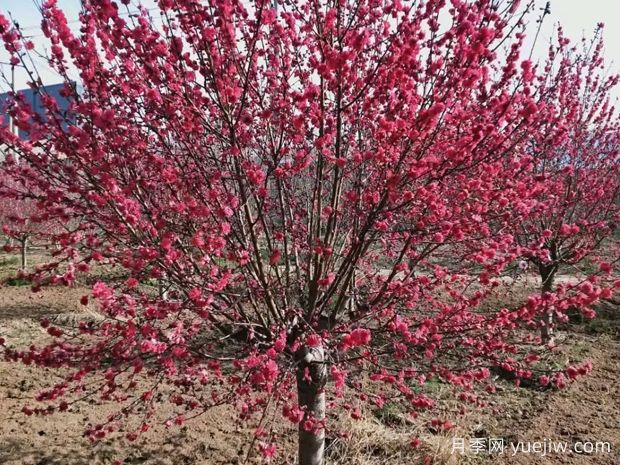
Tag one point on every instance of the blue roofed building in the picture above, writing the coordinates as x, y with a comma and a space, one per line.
33, 97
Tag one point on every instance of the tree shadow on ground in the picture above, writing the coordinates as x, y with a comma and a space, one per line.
23, 452
176, 449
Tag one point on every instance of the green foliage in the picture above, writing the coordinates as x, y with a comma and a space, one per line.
389, 414
15, 281
8, 261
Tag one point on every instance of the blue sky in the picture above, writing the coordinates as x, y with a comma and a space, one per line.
578, 17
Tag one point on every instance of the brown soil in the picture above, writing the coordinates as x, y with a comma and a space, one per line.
589, 410
58, 439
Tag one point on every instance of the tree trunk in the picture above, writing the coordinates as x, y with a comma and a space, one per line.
311, 380
24, 251
162, 287
547, 275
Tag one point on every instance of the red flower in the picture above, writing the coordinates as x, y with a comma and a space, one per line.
313, 340
275, 257
357, 337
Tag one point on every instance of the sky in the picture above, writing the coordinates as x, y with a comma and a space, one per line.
578, 17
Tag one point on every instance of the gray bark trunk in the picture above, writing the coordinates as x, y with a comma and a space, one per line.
547, 275
24, 251
162, 286
311, 398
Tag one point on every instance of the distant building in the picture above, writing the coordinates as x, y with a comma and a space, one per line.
33, 97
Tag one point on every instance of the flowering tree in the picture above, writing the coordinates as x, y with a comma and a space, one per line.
577, 159
297, 173
20, 218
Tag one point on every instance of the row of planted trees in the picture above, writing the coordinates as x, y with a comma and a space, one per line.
333, 190
15, 220
22, 222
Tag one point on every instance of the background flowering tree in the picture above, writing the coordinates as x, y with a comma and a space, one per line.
577, 159
328, 188
21, 220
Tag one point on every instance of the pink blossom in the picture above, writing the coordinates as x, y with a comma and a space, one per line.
357, 337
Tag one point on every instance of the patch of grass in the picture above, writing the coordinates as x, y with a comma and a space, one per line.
575, 316
389, 415
603, 326
607, 320
371, 443
17, 282
587, 266
578, 350
431, 386
8, 261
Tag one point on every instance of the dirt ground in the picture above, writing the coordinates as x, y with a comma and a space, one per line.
58, 439
589, 410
